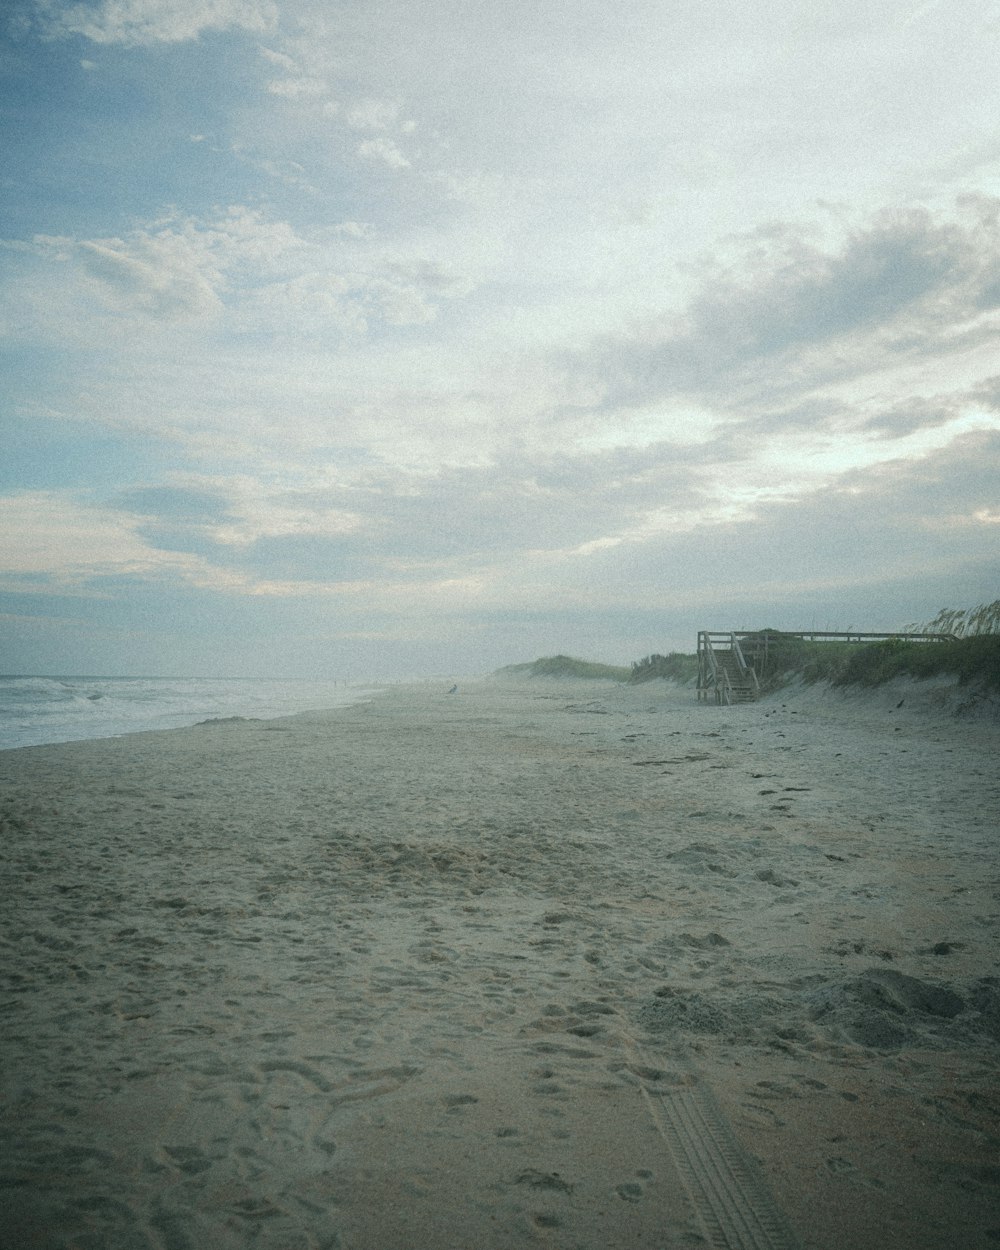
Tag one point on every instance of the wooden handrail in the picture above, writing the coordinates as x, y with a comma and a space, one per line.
848, 635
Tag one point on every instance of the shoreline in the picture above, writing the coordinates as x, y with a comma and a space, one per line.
440, 970
48, 711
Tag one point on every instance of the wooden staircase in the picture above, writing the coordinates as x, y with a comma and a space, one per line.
723, 670
734, 684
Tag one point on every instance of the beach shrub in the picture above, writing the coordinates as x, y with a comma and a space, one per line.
677, 666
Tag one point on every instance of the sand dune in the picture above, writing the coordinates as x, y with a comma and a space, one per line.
565, 964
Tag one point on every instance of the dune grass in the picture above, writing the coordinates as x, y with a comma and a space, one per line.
971, 660
677, 666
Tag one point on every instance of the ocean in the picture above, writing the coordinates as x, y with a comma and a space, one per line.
39, 710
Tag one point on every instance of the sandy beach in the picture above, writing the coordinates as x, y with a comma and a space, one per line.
562, 964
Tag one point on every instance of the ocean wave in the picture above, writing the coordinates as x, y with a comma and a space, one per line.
37, 710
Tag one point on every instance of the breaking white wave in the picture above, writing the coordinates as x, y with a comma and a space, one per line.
38, 710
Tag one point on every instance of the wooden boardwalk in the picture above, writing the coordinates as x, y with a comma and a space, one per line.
731, 663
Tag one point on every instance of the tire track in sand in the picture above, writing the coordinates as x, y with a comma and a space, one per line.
732, 1201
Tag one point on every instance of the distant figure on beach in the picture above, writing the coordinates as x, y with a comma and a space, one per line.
453, 690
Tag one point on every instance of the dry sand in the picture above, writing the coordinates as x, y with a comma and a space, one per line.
562, 964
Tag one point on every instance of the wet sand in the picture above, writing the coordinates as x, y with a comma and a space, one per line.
556, 964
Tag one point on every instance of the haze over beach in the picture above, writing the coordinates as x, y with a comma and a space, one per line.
387, 339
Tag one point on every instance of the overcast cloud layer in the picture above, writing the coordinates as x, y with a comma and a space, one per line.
401, 337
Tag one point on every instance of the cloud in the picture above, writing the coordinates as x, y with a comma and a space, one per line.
239, 511
906, 418
162, 273
383, 149
373, 114
157, 282
244, 240
250, 273
297, 88
401, 529
988, 393
789, 314
178, 504
409, 528
146, 22
56, 542
859, 550
49, 536
281, 59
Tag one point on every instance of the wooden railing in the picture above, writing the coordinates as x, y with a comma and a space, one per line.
723, 669
718, 679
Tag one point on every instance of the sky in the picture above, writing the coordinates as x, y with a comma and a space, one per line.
388, 338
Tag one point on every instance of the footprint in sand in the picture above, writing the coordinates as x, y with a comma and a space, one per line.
550, 1181
456, 1103
629, 1191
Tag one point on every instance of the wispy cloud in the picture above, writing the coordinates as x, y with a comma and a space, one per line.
160, 282
144, 22
385, 150
261, 273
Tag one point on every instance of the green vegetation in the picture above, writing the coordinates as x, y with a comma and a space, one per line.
973, 659
566, 666
673, 667
972, 654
